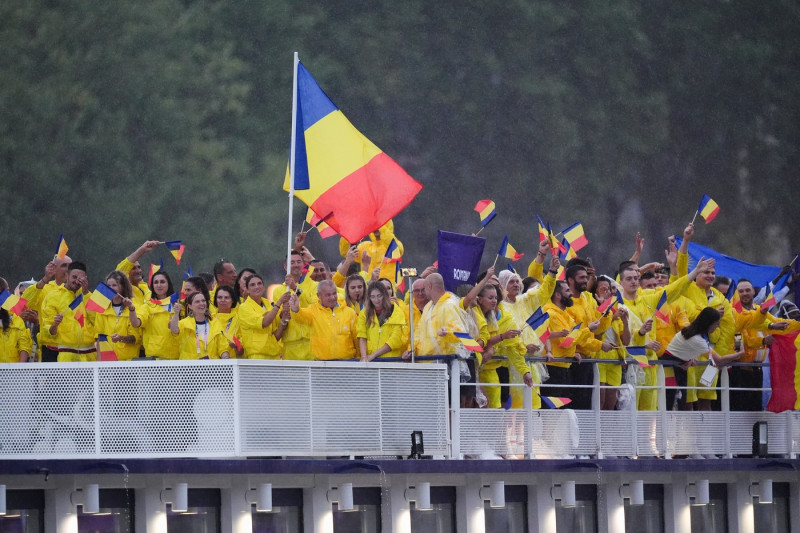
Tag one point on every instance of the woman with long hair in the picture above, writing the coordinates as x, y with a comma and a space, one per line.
119, 321
260, 322
190, 286
381, 325
690, 346
355, 292
15, 339
157, 339
227, 318
197, 338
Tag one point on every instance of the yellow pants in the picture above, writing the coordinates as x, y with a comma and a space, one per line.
647, 399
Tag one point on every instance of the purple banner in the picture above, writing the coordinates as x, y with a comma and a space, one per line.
459, 258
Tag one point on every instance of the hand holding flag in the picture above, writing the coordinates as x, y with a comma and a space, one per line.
542, 229
569, 340
606, 306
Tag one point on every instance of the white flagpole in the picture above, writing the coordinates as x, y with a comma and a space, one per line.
291, 164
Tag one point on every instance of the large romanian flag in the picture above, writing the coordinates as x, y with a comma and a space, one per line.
784, 368
340, 174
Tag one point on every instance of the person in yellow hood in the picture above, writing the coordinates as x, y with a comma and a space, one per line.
379, 241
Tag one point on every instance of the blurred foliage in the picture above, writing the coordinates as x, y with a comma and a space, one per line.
124, 121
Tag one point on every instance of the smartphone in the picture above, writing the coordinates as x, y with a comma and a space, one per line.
408, 272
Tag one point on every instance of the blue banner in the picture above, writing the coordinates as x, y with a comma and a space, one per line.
731, 267
459, 258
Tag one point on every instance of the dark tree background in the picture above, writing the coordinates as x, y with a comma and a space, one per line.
123, 121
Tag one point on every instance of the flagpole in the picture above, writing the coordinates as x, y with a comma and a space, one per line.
479, 231
291, 162
694, 217
793, 260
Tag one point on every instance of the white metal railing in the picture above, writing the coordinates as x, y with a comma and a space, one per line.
560, 433
228, 408
246, 408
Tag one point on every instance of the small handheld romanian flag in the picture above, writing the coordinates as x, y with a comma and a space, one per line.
153, 270
508, 251
486, 210
554, 402
554, 244
569, 340
14, 304
100, 298
318, 222
660, 308
538, 323
542, 229
610, 303
170, 300
566, 252
468, 342
176, 249
77, 309
106, 348
392, 254
399, 280
639, 353
770, 301
575, 236
708, 208
537, 318
61, 247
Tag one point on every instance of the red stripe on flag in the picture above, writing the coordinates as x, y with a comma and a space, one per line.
366, 199
783, 365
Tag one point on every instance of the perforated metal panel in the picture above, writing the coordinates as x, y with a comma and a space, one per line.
166, 409
793, 419
275, 409
47, 410
742, 432
696, 433
616, 433
649, 434
341, 408
497, 431
415, 402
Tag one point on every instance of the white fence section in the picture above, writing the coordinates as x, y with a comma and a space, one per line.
220, 409
243, 408
562, 433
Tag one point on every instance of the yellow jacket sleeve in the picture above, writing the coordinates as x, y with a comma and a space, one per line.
536, 270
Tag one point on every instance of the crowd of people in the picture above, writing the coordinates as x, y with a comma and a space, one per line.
662, 311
